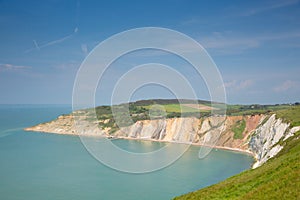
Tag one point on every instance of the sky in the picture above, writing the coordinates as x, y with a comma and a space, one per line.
254, 44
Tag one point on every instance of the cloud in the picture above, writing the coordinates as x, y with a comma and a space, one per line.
238, 85
245, 84
274, 5
10, 67
286, 85
230, 84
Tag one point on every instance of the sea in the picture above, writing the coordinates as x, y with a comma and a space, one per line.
41, 166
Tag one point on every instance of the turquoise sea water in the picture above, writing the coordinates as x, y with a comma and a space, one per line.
48, 166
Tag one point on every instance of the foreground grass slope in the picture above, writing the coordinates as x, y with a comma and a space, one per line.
279, 178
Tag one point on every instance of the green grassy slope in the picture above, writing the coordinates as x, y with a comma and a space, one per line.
238, 129
279, 178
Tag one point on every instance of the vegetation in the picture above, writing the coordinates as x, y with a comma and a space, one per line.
238, 129
279, 178
170, 101
128, 113
175, 108
238, 110
290, 115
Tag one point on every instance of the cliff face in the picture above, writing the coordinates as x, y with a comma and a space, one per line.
265, 141
258, 134
171, 130
211, 131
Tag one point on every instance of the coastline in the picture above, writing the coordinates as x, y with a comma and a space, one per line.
64, 125
30, 129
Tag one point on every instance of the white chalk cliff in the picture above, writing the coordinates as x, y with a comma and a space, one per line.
264, 142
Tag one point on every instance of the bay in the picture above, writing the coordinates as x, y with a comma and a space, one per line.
47, 166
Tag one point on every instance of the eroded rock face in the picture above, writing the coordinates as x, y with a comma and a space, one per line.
209, 131
264, 142
172, 130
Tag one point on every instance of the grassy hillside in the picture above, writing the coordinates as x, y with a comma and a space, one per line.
279, 178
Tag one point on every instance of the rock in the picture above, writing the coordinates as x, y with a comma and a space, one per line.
265, 139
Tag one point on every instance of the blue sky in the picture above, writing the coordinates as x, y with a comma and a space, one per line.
255, 44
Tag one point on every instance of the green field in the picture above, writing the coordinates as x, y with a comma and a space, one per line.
239, 110
177, 108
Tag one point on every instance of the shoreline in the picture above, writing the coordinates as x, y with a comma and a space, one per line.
247, 152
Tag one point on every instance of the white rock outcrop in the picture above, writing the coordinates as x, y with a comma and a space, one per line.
264, 142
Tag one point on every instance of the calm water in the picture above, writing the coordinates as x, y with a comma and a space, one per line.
48, 166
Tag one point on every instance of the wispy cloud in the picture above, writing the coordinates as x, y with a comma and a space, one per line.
10, 67
238, 85
286, 85
271, 6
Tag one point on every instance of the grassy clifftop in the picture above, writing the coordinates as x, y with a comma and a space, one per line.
171, 108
